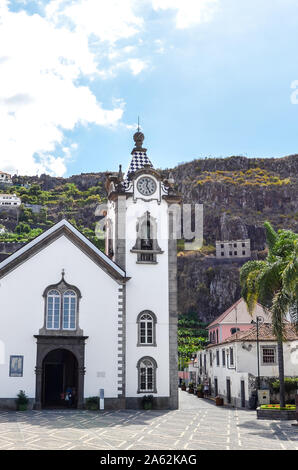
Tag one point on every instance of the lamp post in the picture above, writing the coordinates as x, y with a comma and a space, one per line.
259, 319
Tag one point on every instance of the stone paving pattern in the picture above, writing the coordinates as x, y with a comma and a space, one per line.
197, 425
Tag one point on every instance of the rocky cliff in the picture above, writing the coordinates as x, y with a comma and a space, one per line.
238, 195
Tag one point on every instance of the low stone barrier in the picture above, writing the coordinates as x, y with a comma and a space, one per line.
276, 414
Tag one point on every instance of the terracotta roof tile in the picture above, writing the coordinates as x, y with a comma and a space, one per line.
265, 334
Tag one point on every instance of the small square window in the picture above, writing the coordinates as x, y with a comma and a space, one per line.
269, 355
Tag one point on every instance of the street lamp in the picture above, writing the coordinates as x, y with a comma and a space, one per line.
259, 319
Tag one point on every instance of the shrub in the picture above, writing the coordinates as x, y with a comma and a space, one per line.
147, 402
291, 384
22, 400
92, 403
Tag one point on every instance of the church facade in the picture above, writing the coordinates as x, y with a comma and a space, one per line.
75, 319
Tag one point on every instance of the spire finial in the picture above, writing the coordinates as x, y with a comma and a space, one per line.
63, 273
138, 137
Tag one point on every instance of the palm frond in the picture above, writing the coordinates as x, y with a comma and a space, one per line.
271, 235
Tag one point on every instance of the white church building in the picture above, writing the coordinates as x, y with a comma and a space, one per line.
72, 317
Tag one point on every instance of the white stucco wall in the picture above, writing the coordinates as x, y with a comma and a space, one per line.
22, 315
148, 289
245, 363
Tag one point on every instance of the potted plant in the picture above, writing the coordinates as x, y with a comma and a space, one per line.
219, 401
92, 403
190, 387
22, 401
183, 386
200, 388
147, 402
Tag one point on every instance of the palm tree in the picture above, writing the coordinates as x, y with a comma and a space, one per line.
274, 283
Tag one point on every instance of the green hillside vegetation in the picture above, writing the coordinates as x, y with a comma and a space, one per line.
65, 201
192, 336
251, 177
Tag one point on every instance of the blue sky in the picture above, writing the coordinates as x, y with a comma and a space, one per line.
207, 78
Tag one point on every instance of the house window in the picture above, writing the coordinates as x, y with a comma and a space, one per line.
235, 253
222, 246
210, 356
16, 364
234, 330
146, 329
268, 355
243, 252
53, 310
222, 253
223, 358
230, 253
69, 310
205, 364
147, 375
217, 358
231, 356
243, 245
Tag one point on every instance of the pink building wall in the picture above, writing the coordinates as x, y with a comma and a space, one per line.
237, 316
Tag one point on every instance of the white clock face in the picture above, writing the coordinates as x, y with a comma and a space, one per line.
146, 186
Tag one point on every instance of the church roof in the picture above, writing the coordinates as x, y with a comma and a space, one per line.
139, 160
139, 155
62, 228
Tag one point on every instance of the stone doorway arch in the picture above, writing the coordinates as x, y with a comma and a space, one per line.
74, 345
59, 377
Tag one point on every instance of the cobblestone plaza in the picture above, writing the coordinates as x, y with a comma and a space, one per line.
197, 425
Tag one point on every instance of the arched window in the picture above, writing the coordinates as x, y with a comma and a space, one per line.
69, 310
146, 245
61, 308
147, 375
146, 329
53, 310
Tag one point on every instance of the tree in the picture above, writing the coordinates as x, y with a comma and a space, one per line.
274, 283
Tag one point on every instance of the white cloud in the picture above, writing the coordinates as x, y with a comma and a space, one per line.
42, 59
108, 20
188, 12
45, 56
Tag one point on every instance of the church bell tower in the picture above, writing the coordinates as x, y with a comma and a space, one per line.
140, 239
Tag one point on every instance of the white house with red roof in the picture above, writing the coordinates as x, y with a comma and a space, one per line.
231, 366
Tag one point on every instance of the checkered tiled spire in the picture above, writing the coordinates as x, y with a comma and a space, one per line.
139, 155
